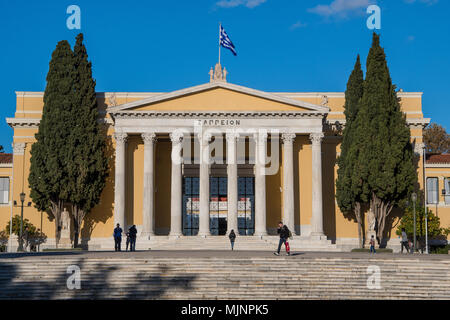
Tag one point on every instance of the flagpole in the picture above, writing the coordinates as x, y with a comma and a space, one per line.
220, 27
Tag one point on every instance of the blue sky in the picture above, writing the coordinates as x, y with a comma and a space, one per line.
282, 45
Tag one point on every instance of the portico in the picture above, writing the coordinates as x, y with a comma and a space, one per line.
251, 141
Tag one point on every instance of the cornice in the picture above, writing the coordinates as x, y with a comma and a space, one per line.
32, 123
422, 122
23, 122
216, 114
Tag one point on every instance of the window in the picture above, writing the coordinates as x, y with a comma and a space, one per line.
4, 190
447, 190
432, 190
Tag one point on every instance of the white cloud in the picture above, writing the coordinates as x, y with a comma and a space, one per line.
341, 8
235, 3
297, 25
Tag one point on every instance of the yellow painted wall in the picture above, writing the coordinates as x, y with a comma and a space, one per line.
99, 223
441, 209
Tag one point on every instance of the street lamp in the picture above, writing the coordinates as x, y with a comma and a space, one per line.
22, 200
414, 199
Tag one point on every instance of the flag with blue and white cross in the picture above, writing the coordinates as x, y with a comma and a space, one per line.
225, 41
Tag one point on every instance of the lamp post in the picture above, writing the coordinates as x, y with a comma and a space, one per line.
22, 200
414, 199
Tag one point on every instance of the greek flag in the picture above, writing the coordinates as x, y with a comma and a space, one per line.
225, 41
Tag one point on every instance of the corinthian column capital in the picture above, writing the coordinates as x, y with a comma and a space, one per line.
149, 137
288, 137
176, 137
316, 138
204, 138
120, 137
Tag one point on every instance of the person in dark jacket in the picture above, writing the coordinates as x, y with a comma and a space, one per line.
117, 238
284, 232
133, 232
232, 237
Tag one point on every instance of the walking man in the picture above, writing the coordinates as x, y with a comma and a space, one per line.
232, 237
284, 232
133, 233
117, 238
372, 245
405, 241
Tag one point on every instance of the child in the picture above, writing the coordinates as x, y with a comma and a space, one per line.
372, 245
128, 240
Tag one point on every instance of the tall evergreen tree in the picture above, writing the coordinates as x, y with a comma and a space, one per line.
386, 157
1, 149
348, 187
87, 166
49, 154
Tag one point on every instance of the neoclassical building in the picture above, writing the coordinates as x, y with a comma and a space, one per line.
201, 161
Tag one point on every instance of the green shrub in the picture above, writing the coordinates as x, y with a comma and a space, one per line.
440, 249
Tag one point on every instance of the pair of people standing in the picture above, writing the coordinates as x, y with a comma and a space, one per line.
131, 238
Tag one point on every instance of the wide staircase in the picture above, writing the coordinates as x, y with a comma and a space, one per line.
245, 243
244, 277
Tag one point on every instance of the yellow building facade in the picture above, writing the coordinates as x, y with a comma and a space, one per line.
204, 160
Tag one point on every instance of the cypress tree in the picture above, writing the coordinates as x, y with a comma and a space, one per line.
348, 189
87, 167
48, 171
386, 157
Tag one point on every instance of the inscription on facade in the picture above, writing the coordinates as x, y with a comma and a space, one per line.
216, 122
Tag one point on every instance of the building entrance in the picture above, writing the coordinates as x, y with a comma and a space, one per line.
218, 209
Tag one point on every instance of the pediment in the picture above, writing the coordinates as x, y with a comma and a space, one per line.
218, 96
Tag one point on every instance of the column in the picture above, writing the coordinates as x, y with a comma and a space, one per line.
204, 185
317, 207
148, 228
260, 184
232, 192
176, 214
119, 190
288, 180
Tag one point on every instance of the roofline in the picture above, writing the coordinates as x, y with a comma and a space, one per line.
218, 84
147, 93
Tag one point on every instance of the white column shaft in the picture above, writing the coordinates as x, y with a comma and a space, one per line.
176, 188
260, 185
317, 206
232, 221
204, 224
119, 189
148, 228
288, 181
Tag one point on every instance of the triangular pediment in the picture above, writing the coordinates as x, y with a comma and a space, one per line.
217, 96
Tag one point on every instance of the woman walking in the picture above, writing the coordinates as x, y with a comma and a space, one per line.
232, 237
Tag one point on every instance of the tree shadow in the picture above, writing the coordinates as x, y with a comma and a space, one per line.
397, 212
98, 281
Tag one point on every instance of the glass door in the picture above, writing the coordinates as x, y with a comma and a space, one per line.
218, 210
246, 205
191, 205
